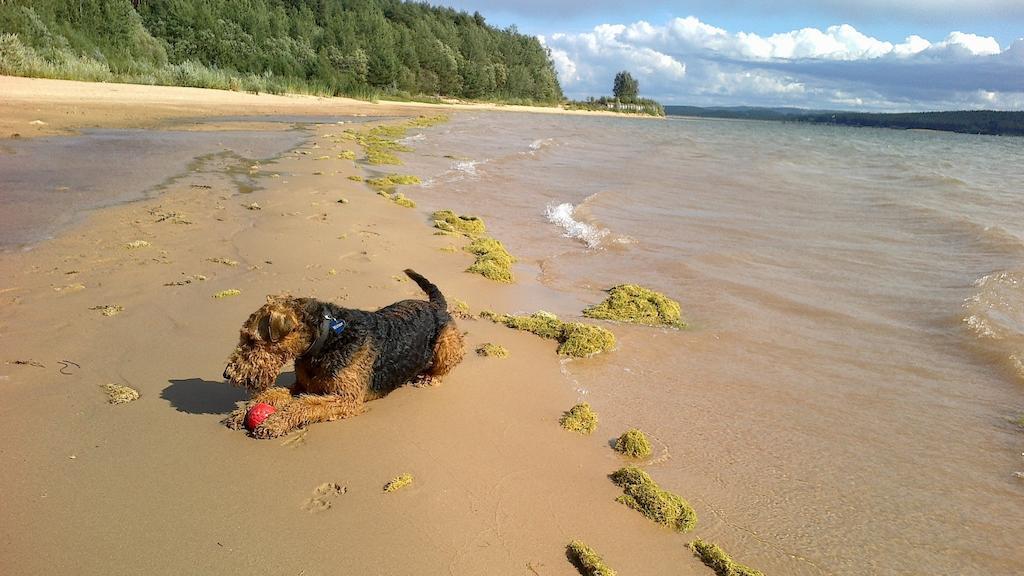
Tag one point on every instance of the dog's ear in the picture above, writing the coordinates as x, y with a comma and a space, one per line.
280, 325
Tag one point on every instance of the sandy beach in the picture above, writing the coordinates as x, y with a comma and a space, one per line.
160, 486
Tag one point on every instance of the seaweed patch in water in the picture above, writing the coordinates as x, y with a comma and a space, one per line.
575, 338
587, 561
632, 303
580, 418
642, 493
448, 221
493, 261
716, 559
401, 200
492, 350
633, 443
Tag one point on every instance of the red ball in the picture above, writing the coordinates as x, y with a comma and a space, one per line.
257, 414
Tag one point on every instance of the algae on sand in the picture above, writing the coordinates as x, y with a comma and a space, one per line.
493, 261
575, 338
587, 560
398, 483
642, 493
117, 394
716, 559
580, 418
633, 443
449, 221
632, 303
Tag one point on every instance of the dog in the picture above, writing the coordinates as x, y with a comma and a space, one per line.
343, 357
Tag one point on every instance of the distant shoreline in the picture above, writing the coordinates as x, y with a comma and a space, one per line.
988, 122
73, 105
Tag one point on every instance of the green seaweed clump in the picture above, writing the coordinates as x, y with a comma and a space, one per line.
404, 179
580, 418
427, 121
227, 293
347, 155
716, 559
117, 394
492, 350
459, 308
391, 180
355, 178
587, 560
449, 221
398, 483
633, 443
643, 494
379, 156
493, 261
575, 338
401, 200
632, 303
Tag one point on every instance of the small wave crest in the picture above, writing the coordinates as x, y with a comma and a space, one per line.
995, 316
563, 215
466, 166
414, 138
540, 144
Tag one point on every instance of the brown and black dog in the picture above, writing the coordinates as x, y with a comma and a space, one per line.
343, 357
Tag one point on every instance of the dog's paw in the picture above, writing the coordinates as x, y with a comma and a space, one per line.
274, 426
236, 420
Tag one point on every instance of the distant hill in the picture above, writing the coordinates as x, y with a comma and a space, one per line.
964, 121
364, 48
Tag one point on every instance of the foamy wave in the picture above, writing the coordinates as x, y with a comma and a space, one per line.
562, 214
995, 315
541, 143
466, 166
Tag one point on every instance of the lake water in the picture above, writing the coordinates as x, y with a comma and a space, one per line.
843, 401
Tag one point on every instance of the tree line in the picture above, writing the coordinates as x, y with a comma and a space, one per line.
350, 47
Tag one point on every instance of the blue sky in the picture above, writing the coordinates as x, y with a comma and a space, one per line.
836, 54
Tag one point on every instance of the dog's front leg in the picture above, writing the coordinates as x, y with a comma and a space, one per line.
278, 397
308, 409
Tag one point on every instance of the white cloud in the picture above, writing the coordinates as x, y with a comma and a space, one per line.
973, 45
686, 60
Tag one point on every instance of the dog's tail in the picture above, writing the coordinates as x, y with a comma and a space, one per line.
433, 292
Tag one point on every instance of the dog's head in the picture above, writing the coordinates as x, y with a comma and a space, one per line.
272, 336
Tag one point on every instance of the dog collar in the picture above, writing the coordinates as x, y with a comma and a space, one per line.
328, 324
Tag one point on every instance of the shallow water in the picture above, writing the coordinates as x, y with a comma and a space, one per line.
842, 402
49, 183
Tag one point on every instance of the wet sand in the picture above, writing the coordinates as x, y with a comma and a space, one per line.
159, 486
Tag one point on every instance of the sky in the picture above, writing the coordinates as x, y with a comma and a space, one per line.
873, 55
